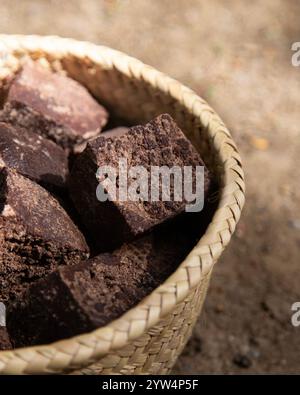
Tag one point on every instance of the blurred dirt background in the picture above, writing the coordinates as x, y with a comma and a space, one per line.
237, 55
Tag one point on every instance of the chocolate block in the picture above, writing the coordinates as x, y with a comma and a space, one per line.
158, 143
36, 234
54, 106
33, 156
5, 343
80, 298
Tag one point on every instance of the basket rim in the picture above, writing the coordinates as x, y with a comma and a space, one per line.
80, 351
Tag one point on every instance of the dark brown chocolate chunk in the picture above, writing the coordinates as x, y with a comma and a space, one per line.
33, 156
54, 106
80, 298
158, 143
36, 234
5, 343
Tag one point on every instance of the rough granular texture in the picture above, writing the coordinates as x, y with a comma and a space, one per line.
78, 299
158, 143
36, 234
33, 156
54, 106
5, 343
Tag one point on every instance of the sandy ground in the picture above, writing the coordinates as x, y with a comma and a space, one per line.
237, 55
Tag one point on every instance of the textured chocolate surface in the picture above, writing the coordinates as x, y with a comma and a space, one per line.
36, 234
33, 156
54, 106
77, 299
158, 143
5, 343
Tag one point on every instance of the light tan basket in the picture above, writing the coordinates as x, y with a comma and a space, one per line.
149, 337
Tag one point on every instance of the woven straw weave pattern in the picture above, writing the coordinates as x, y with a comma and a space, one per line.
149, 337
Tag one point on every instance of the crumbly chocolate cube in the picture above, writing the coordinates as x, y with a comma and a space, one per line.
33, 156
53, 105
5, 343
78, 299
158, 143
36, 234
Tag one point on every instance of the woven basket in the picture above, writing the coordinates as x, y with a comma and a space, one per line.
149, 337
